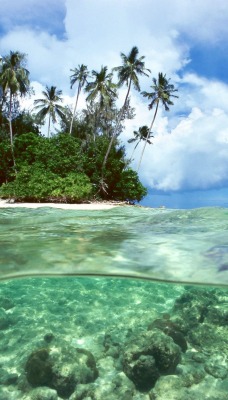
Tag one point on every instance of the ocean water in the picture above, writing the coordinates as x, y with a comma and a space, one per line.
123, 304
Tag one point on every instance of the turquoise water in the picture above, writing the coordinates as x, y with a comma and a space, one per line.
106, 337
174, 245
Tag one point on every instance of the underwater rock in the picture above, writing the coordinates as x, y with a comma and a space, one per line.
198, 357
111, 345
171, 329
218, 315
114, 387
93, 373
82, 392
192, 307
61, 368
143, 372
11, 379
191, 374
43, 393
6, 303
206, 336
215, 368
8, 378
39, 368
4, 319
48, 337
149, 356
170, 385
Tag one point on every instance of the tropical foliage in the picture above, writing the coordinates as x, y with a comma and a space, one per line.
14, 81
162, 91
84, 158
143, 134
50, 105
79, 75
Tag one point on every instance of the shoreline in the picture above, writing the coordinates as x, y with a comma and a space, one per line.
66, 206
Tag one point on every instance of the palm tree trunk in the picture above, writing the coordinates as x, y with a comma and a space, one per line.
75, 107
11, 132
49, 124
116, 129
10, 120
134, 150
147, 138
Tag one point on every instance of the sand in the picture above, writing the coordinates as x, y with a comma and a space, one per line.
89, 206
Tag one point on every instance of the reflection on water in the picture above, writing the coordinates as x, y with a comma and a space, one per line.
111, 338
175, 245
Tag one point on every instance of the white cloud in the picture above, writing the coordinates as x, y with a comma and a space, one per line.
193, 156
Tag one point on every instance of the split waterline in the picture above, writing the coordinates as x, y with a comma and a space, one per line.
106, 337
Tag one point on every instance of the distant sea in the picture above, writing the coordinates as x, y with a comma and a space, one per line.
187, 199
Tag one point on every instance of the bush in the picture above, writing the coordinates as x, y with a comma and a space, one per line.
129, 187
36, 184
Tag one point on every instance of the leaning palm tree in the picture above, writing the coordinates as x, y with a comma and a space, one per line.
140, 135
79, 75
50, 106
127, 73
162, 90
14, 80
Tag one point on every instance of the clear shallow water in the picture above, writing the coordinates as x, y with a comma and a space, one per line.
106, 338
173, 245
112, 339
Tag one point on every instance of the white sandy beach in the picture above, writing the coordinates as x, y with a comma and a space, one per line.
89, 206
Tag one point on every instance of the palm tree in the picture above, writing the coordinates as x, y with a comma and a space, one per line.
141, 134
79, 75
128, 72
102, 88
50, 106
14, 80
162, 90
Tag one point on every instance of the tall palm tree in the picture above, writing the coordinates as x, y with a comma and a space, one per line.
79, 75
14, 80
162, 91
127, 73
50, 106
101, 88
140, 134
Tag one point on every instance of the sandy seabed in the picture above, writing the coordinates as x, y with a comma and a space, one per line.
83, 206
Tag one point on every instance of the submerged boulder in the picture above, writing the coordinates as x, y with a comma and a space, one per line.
148, 357
61, 368
171, 329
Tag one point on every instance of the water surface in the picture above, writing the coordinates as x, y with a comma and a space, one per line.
173, 245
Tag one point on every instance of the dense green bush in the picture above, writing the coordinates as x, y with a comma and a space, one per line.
6, 161
129, 187
36, 184
60, 154
61, 169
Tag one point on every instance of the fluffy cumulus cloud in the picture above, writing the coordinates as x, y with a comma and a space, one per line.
193, 156
190, 147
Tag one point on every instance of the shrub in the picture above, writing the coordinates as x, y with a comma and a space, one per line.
36, 184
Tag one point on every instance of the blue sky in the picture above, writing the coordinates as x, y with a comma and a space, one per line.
187, 165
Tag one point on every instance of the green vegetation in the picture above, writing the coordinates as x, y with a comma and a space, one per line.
84, 159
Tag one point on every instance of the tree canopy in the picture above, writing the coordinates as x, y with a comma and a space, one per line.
84, 159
